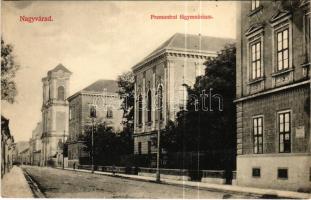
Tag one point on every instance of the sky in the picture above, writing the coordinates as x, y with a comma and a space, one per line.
94, 40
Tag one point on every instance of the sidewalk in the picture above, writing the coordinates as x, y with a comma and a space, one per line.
210, 186
14, 184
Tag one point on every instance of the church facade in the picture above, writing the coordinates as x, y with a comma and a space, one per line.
55, 112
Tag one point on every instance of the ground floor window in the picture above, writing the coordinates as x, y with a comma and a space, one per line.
257, 134
256, 172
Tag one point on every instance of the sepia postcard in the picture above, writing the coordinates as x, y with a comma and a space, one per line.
156, 99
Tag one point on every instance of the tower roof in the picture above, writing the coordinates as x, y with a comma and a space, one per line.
60, 67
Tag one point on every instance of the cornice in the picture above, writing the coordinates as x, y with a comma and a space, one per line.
174, 52
271, 91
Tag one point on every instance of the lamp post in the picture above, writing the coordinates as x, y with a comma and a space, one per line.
92, 116
158, 153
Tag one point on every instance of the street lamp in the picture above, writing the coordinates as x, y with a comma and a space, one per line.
92, 116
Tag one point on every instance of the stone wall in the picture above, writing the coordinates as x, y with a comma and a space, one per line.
295, 100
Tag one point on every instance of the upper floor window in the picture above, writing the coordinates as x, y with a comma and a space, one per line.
256, 59
60, 93
109, 113
70, 113
282, 50
255, 4
257, 133
160, 93
149, 106
307, 40
140, 109
284, 132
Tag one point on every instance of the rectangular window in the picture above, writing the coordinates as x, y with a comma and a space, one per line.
256, 172
282, 50
255, 4
256, 60
70, 113
139, 148
284, 133
307, 30
282, 173
257, 134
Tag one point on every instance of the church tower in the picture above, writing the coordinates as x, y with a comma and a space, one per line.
55, 111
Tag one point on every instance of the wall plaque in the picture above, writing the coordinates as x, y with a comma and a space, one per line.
300, 132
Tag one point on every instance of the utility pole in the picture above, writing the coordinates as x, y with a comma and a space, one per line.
64, 149
92, 145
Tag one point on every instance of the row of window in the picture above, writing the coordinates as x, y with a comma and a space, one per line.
149, 105
282, 55
109, 113
284, 131
282, 49
282, 173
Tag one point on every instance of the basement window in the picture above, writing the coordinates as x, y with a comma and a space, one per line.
283, 173
256, 172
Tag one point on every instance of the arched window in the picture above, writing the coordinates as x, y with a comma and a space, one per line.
183, 93
109, 113
61, 93
149, 106
140, 109
160, 104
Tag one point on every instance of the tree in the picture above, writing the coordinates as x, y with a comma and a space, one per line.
126, 92
8, 71
205, 126
108, 146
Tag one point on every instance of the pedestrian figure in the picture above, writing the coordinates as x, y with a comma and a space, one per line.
74, 166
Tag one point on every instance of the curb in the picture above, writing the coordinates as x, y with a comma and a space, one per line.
33, 186
255, 194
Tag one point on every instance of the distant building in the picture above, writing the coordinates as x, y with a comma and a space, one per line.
273, 94
103, 94
160, 79
7, 146
24, 157
55, 112
35, 145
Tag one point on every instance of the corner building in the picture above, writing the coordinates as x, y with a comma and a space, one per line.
273, 95
159, 83
104, 95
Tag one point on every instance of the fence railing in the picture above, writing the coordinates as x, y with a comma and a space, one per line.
213, 174
204, 174
175, 172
